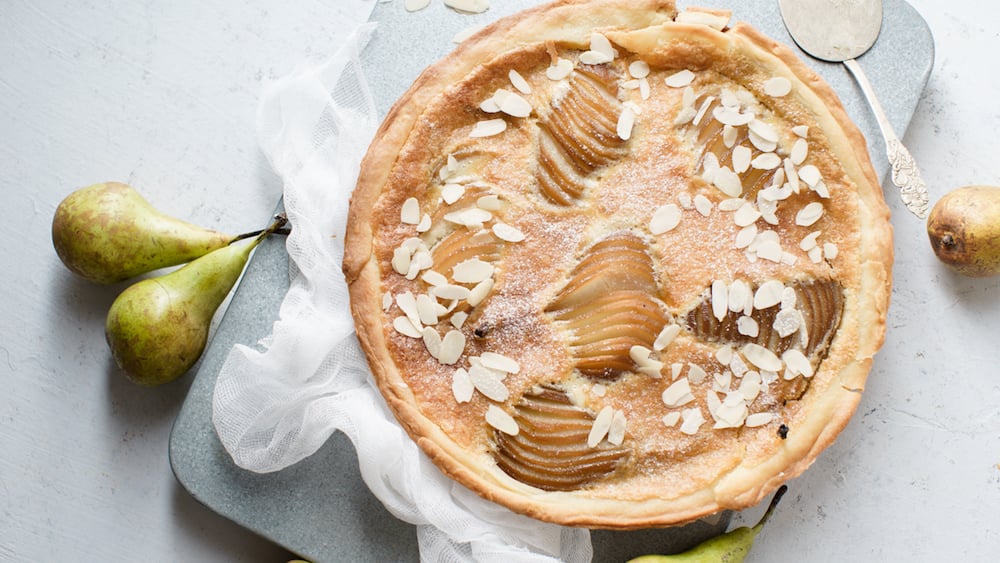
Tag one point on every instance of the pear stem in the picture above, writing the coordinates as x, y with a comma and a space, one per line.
770, 508
276, 228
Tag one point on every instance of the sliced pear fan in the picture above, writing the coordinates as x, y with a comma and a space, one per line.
607, 307
550, 451
578, 135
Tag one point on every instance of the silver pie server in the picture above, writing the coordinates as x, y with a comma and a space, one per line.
840, 31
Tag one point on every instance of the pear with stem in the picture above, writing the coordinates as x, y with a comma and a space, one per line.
157, 328
108, 233
731, 547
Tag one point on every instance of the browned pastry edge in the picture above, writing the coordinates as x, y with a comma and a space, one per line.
743, 487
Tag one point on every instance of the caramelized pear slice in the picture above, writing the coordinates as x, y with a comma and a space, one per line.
821, 303
608, 306
550, 451
578, 135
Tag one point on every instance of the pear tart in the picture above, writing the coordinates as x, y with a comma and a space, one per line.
615, 265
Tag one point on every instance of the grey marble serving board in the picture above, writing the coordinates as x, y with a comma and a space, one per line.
320, 508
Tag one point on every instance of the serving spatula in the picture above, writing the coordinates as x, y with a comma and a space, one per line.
841, 31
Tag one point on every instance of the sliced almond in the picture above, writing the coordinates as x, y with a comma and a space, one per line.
410, 212
507, 233
693, 420
468, 6
601, 425
679, 79
809, 214
758, 419
499, 362
472, 270
761, 357
796, 363
486, 382
665, 218
666, 336
488, 128
768, 294
452, 346
461, 386
519, 82
561, 69
678, 394
480, 291
499, 419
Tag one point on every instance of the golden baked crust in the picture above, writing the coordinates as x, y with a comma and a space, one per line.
609, 272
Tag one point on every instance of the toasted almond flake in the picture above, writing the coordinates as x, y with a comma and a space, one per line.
665, 218
429, 309
499, 419
666, 336
401, 261
452, 346
432, 341
489, 202
703, 205
671, 418
809, 214
766, 161
762, 144
515, 105
728, 182
488, 128
746, 215
787, 322
742, 156
491, 104
425, 224
600, 51
616, 434
386, 301
729, 135
720, 299
745, 236
468, 6
703, 109
801, 130
450, 291
770, 250
739, 295
693, 420
761, 357
404, 326
488, 382
480, 291
777, 87
519, 82
458, 319
434, 278
421, 260
679, 79
675, 370
410, 212
764, 130
451, 193
758, 419
467, 33
747, 326
821, 189
626, 121
472, 270
810, 175
507, 233
768, 294
797, 363
469, 217
561, 69
678, 394
685, 201
461, 386
638, 69
750, 386
732, 116
415, 5
639, 354
808, 242
800, 149
830, 250
601, 425
499, 362
696, 374
407, 303
724, 354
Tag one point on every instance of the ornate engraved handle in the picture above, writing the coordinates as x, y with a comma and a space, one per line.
905, 174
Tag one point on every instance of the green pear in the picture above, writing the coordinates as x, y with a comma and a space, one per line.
157, 328
731, 547
108, 233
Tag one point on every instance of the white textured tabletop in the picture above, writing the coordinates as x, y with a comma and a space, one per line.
162, 95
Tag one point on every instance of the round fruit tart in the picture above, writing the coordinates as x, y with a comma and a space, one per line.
615, 265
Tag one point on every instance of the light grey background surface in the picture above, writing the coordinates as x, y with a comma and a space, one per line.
163, 95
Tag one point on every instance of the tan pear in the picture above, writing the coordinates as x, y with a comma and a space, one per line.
108, 233
157, 328
964, 230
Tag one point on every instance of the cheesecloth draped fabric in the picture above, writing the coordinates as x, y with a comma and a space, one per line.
277, 403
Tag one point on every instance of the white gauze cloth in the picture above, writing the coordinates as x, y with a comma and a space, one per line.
276, 405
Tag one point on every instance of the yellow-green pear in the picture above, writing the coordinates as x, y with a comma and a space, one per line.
108, 233
157, 328
731, 547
